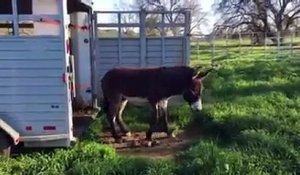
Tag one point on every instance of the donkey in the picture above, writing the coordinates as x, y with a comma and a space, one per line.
156, 85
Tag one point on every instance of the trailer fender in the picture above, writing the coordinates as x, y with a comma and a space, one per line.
10, 131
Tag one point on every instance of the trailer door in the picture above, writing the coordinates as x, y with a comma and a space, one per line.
139, 39
35, 97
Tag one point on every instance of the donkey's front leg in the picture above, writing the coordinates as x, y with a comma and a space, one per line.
163, 105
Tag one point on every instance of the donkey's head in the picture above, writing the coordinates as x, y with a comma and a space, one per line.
193, 93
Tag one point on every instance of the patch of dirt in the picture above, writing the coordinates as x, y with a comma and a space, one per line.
166, 148
136, 145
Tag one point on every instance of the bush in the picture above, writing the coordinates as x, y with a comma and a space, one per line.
61, 161
88, 158
207, 158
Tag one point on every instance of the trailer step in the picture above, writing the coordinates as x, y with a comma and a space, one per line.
44, 137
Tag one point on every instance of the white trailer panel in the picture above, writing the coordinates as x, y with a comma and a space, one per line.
35, 96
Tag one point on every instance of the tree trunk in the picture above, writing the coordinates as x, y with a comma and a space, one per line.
258, 39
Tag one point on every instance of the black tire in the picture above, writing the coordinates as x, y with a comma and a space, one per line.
5, 144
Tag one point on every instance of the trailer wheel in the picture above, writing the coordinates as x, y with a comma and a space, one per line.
5, 144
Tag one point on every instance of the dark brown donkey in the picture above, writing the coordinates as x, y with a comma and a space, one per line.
156, 85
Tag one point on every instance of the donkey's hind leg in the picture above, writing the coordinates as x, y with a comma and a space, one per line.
119, 118
153, 121
112, 117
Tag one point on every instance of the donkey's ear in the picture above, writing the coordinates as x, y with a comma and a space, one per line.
196, 71
203, 75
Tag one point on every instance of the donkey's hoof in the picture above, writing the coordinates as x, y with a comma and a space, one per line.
128, 134
172, 135
155, 142
149, 144
152, 143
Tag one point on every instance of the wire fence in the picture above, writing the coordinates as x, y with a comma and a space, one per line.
246, 46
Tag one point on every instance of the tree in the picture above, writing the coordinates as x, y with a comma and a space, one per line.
198, 17
127, 17
265, 16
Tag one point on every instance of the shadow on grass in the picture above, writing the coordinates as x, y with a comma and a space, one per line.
249, 144
228, 129
291, 90
261, 71
257, 78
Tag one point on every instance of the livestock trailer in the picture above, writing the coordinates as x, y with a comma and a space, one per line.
53, 54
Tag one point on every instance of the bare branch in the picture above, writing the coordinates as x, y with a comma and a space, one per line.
266, 15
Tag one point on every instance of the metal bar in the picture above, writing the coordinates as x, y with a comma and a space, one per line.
213, 46
41, 138
154, 37
15, 17
291, 45
25, 25
96, 50
64, 36
136, 11
226, 42
142, 38
60, 4
62, 14
163, 41
93, 40
169, 25
96, 28
278, 44
10, 131
187, 37
160, 25
117, 25
240, 43
265, 45
119, 40
39, 17
166, 12
6, 17
198, 49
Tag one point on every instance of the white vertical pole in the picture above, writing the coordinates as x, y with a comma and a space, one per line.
198, 49
62, 6
15, 17
240, 42
187, 37
278, 44
163, 39
119, 39
265, 44
291, 45
226, 42
97, 90
142, 38
213, 46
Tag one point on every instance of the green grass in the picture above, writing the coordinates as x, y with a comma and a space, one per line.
251, 119
250, 125
250, 122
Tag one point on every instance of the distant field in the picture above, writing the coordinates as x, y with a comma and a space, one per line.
234, 49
